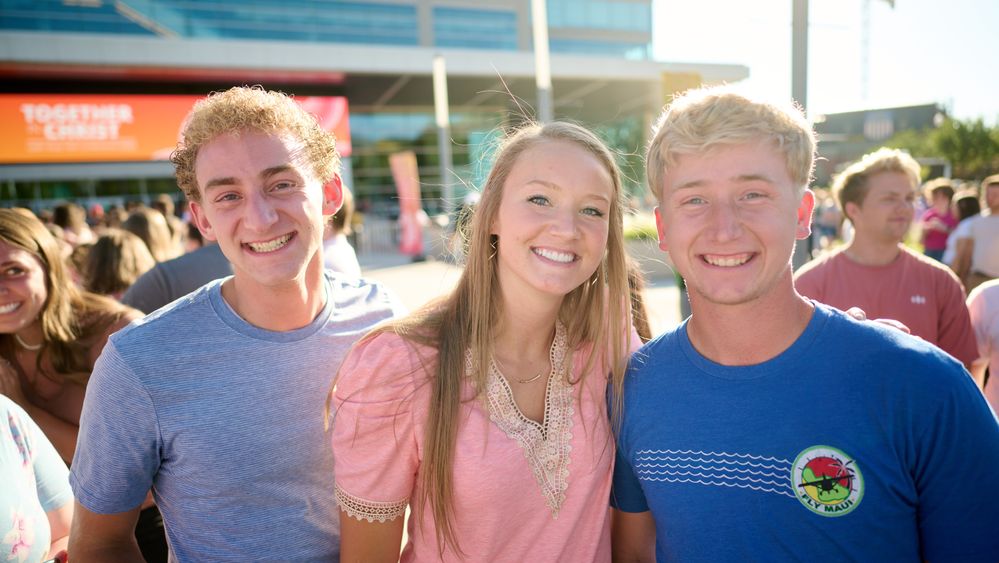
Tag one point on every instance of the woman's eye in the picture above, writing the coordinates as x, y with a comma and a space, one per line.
13, 271
538, 200
593, 211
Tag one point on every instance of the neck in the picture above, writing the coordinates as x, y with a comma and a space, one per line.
748, 333
287, 307
32, 336
525, 332
871, 252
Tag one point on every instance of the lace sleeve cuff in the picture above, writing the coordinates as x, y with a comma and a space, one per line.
371, 511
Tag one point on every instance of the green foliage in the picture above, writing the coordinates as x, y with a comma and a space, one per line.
972, 147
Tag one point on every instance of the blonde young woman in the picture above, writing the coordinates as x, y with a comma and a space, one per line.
485, 412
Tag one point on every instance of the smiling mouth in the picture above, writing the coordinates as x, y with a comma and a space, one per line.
9, 308
271, 245
727, 261
555, 255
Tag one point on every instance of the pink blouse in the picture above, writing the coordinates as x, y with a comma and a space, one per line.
523, 491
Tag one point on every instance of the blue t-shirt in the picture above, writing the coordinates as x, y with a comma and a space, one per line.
33, 481
856, 443
224, 421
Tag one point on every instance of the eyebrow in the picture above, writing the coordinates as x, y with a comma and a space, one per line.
559, 188
741, 178
231, 180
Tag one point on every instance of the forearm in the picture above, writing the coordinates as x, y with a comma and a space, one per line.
124, 551
375, 542
103, 537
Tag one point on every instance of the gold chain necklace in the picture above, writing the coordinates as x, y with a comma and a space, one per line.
528, 380
26, 346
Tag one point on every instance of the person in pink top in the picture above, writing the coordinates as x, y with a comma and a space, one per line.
876, 272
485, 413
939, 220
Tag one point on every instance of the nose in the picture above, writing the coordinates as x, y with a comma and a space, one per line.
725, 223
260, 212
565, 224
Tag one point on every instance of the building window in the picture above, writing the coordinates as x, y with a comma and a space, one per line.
475, 29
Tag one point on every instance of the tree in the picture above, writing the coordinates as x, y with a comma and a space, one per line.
972, 147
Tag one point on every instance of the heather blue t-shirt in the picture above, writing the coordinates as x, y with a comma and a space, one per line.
224, 421
856, 443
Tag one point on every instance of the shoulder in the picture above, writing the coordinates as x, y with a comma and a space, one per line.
186, 313
357, 295
384, 366
817, 267
932, 268
872, 350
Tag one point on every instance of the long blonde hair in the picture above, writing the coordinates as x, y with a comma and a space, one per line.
596, 312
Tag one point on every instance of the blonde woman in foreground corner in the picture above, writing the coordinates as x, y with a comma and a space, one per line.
486, 411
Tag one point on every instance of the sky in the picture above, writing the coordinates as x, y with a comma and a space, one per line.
919, 52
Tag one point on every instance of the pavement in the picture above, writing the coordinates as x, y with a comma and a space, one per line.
415, 283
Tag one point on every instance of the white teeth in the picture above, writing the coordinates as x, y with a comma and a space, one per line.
10, 307
271, 245
727, 262
555, 256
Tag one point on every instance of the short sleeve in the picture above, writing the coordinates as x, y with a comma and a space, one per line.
51, 474
955, 334
626, 492
958, 451
375, 437
117, 453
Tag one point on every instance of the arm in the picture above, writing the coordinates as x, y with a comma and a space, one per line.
962, 258
59, 522
633, 537
364, 541
104, 537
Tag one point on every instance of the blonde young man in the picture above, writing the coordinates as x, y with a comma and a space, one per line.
876, 272
215, 402
768, 426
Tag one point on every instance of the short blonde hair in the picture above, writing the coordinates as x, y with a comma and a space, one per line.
701, 119
245, 108
851, 185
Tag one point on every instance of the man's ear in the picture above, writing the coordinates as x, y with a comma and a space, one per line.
660, 229
332, 195
804, 227
201, 220
850, 211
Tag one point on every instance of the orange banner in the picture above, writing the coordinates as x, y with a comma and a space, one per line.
113, 128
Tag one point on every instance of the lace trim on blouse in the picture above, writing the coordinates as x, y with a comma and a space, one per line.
546, 446
361, 509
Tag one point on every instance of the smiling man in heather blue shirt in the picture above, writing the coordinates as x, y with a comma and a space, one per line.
215, 402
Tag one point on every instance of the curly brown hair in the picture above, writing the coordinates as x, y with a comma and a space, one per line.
251, 108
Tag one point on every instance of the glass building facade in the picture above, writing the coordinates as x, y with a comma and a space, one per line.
606, 28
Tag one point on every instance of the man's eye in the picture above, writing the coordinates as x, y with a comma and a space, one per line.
284, 185
538, 200
755, 195
694, 201
227, 197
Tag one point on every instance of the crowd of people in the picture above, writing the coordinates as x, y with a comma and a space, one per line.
230, 388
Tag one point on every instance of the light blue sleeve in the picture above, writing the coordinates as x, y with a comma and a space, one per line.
51, 474
117, 453
953, 469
